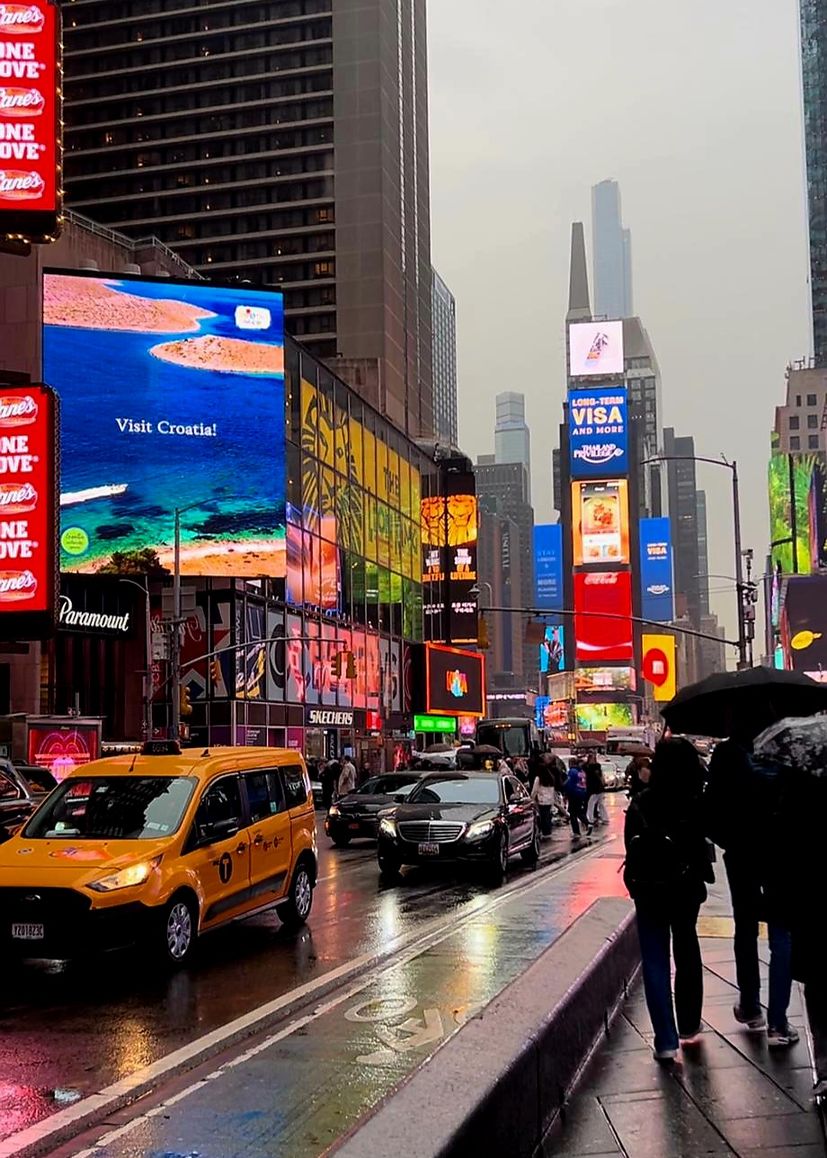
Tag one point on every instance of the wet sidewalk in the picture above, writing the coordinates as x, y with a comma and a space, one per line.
730, 1095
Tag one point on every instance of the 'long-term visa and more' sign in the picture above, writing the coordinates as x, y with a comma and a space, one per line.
598, 432
657, 586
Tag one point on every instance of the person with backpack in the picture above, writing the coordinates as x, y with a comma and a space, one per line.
666, 871
575, 793
595, 787
741, 804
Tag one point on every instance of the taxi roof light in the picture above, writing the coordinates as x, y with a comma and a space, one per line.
161, 748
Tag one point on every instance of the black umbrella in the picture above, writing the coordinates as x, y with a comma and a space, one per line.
754, 699
799, 745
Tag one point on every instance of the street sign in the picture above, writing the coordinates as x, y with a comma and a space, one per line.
160, 646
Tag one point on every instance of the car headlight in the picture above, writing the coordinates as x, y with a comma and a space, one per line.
479, 829
135, 874
387, 826
334, 810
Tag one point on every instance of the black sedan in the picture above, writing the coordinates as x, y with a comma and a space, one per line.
357, 814
22, 788
482, 818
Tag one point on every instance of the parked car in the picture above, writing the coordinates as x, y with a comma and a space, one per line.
357, 814
22, 788
157, 848
475, 817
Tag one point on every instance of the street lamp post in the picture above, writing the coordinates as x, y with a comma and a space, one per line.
175, 638
743, 642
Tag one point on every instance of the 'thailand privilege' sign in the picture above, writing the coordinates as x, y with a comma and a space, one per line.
28, 511
30, 150
598, 438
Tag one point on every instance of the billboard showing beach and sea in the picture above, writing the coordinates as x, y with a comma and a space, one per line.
172, 396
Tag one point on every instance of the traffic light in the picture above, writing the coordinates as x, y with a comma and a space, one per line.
184, 700
351, 665
336, 665
215, 671
483, 642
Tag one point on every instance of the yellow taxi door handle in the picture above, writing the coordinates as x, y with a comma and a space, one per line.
241, 848
259, 839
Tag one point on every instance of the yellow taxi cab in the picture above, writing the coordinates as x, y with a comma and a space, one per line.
159, 847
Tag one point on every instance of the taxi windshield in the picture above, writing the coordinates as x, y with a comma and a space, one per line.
113, 808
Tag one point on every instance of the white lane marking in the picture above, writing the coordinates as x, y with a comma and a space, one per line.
403, 950
381, 1009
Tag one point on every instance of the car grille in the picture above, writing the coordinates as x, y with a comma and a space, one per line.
56, 907
433, 831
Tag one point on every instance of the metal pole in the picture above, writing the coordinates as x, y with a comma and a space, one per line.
175, 640
148, 675
739, 569
793, 515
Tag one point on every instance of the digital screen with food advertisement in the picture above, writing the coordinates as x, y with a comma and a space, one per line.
595, 348
604, 679
28, 577
454, 681
601, 717
601, 522
602, 620
30, 119
598, 432
172, 395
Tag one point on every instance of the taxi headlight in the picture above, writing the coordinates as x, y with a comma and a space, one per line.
125, 878
387, 826
479, 829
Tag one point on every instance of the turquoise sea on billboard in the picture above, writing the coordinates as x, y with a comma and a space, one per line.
172, 394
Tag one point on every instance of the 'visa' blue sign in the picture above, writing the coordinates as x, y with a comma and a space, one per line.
598, 432
657, 590
548, 566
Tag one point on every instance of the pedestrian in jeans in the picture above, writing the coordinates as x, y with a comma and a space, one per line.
595, 787
741, 802
543, 793
667, 870
575, 792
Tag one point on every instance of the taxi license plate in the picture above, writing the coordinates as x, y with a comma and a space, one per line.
28, 932
429, 848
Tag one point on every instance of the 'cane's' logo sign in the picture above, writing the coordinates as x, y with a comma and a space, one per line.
22, 19
21, 102
17, 411
20, 185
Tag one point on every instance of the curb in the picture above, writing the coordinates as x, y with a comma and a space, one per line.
499, 1084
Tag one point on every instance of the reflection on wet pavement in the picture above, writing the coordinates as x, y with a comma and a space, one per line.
89, 1024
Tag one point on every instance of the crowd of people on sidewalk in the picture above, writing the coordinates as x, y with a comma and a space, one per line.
766, 822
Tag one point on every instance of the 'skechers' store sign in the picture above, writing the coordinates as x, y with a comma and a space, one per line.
328, 718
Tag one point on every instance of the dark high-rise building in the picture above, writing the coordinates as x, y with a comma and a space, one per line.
512, 437
683, 511
611, 254
814, 75
284, 143
444, 314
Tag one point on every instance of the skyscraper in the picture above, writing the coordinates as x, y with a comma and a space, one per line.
512, 437
444, 313
814, 75
611, 254
283, 143
683, 511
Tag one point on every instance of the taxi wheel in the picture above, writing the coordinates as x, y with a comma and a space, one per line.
179, 931
296, 909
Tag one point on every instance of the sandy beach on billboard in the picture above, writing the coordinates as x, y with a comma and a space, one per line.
88, 304
222, 355
250, 558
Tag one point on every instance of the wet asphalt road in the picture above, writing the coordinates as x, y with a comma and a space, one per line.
67, 1031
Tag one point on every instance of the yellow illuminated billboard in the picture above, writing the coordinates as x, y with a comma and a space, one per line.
660, 666
600, 514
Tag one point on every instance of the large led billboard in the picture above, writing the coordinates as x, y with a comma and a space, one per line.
172, 397
601, 717
791, 475
656, 583
598, 432
548, 566
454, 681
553, 649
804, 623
604, 679
30, 120
595, 348
602, 619
449, 564
660, 666
600, 511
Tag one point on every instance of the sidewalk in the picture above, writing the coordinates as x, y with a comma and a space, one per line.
729, 1095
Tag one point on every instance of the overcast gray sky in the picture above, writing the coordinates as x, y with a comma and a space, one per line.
695, 110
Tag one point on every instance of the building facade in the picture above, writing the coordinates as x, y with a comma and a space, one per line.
691, 579
800, 424
444, 315
611, 254
512, 437
281, 143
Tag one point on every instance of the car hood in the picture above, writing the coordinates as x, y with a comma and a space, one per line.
68, 863
464, 813
364, 803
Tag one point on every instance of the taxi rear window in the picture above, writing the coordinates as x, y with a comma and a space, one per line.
113, 808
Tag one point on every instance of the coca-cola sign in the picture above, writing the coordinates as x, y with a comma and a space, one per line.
28, 511
30, 132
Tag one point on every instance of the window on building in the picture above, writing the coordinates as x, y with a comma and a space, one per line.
798, 399
812, 422
794, 422
812, 400
795, 443
812, 441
